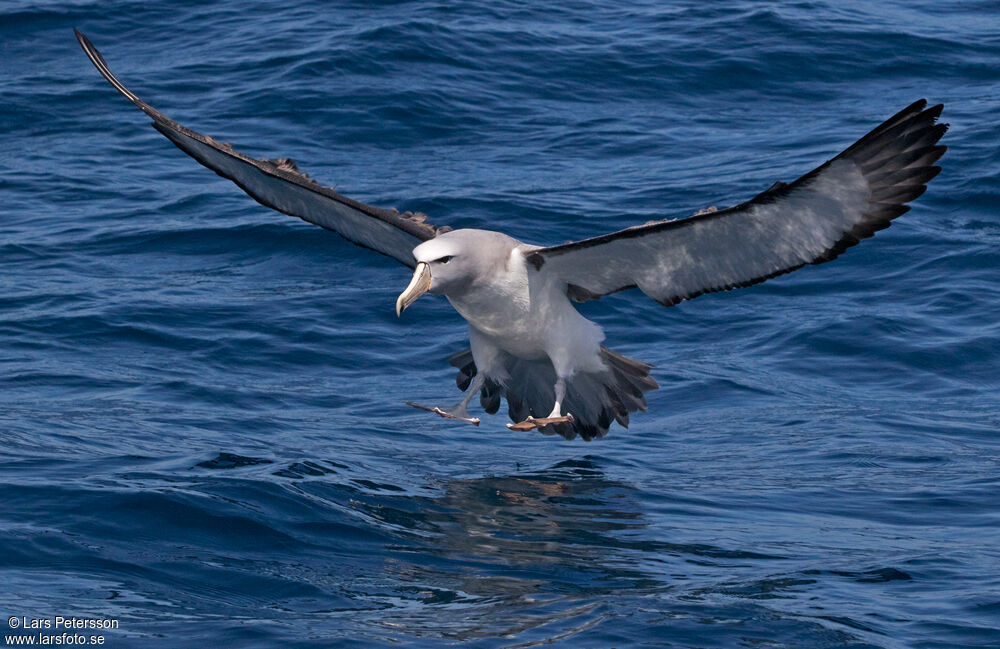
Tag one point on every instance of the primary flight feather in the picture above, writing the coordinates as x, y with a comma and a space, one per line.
528, 343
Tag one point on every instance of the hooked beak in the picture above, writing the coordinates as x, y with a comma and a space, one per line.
418, 286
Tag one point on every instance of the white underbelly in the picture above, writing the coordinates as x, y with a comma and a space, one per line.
529, 318
509, 325
524, 345
556, 330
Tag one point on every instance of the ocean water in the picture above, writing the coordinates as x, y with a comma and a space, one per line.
203, 433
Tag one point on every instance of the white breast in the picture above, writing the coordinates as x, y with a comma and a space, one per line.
527, 316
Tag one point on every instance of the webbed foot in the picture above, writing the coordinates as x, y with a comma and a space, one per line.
455, 412
532, 423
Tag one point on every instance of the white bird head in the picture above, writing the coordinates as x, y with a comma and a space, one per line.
452, 263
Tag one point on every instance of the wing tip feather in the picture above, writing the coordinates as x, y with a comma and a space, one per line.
894, 183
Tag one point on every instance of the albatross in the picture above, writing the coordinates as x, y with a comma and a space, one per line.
527, 342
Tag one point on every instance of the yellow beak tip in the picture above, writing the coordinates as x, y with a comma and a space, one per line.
418, 286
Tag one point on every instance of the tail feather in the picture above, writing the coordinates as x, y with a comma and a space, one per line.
466, 368
490, 396
596, 399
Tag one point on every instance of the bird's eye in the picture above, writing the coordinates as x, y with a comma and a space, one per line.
445, 260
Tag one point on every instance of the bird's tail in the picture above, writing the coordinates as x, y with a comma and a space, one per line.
595, 399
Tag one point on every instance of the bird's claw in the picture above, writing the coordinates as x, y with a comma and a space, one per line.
531, 423
444, 413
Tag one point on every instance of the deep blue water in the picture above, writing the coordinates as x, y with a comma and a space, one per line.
202, 410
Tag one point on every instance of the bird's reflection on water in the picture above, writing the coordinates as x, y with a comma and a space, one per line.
502, 555
512, 560
535, 556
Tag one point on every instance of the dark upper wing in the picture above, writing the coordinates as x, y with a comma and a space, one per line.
279, 184
809, 221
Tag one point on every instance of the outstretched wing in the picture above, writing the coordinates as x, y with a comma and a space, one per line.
809, 221
279, 184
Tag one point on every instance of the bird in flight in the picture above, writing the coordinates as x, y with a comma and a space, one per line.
528, 343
